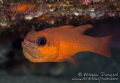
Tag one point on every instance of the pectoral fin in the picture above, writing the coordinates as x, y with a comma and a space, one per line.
83, 28
70, 59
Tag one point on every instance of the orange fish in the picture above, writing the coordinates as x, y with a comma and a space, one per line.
62, 43
25, 7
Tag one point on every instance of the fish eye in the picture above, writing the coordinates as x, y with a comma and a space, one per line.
41, 41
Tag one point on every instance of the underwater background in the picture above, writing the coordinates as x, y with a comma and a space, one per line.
14, 25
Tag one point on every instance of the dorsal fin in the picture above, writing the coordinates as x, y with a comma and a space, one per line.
83, 28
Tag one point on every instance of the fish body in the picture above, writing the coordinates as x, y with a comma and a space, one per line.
62, 43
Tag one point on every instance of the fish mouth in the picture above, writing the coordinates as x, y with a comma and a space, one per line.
29, 54
27, 49
25, 45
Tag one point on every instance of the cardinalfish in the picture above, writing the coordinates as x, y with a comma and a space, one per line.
62, 43
25, 7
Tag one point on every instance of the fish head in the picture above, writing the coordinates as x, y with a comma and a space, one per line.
40, 46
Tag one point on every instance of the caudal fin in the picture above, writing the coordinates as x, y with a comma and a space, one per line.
104, 46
